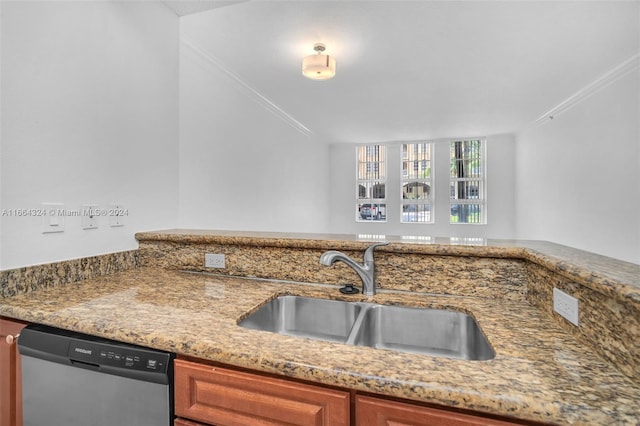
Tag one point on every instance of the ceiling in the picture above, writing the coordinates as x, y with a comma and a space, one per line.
414, 70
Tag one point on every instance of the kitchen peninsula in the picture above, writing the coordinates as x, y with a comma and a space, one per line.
545, 369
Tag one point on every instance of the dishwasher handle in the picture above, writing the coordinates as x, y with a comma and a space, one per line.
85, 365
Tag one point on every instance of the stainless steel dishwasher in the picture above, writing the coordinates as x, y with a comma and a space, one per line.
72, 379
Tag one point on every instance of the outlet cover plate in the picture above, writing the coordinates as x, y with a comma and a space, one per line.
565, 305
89, 218
212, 260
117, 212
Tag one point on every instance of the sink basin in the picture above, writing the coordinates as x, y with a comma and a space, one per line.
305, 317
434, 332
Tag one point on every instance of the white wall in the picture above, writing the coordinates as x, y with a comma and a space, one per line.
242, 167
89, 115
92, 94
578, 175
500, 194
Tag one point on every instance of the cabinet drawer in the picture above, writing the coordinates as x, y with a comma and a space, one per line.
380, 412
229, 398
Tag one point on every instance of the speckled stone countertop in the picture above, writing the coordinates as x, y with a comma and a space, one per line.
540, 372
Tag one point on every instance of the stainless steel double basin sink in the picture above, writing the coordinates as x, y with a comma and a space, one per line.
434, 332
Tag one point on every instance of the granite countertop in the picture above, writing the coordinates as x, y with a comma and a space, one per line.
540, 372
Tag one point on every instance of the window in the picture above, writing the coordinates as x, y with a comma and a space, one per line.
416, 183
415, 190
371, 201
467, 196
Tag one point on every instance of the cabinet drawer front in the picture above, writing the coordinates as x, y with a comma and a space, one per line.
229, 398
380, 412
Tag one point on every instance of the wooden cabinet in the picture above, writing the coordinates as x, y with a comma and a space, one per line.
212, 395
10, 374
380, 412
225, 397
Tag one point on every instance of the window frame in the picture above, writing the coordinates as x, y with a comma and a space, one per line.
414, 158
371, 176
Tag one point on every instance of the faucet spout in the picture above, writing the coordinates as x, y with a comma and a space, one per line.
366, 270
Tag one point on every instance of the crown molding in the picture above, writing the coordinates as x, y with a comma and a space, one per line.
245, 87
615, 73
188, 7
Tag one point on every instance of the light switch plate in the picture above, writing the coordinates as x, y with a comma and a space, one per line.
52, 218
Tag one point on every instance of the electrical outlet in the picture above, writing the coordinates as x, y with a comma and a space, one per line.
565, 305
117, 212
213, 260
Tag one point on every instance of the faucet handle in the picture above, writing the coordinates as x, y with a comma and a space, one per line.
368, 254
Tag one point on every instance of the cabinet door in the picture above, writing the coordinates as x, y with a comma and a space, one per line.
380, 412
10, 374
232, 398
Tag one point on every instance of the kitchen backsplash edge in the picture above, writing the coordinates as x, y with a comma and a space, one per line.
30, 278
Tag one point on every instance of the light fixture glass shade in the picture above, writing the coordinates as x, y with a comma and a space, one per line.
319, 67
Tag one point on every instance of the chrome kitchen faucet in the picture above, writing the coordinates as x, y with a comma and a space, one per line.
366, 271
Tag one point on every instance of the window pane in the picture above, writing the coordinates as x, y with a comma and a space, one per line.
466, 213
416, 191
465, 189
371, 190
371, 162
372, 211
416, 213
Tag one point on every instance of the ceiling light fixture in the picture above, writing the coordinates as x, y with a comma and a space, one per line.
319, 67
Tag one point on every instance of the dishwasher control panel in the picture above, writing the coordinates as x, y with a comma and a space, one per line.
120, 356
77, 350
